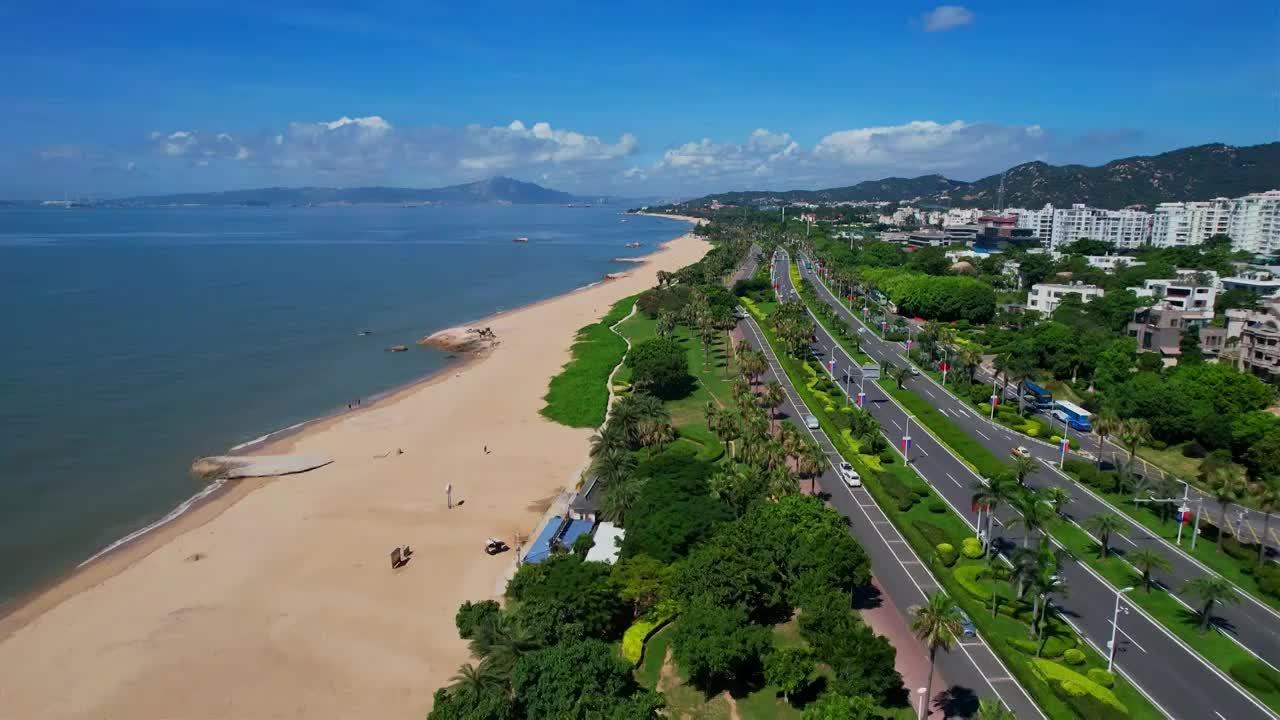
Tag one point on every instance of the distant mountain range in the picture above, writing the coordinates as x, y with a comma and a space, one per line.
498, 190
1195, 173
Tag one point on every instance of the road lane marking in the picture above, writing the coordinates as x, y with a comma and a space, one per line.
957, 482
981, 433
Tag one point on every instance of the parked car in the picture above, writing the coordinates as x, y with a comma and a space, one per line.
915, 371
1020, 451
493, 546
966, 625
861, 330
811, 422
851, 477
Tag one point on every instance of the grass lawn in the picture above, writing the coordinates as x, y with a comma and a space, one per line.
982, 460
577, 396
1172, 461
688, 414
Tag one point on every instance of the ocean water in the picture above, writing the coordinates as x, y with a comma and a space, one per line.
133, 341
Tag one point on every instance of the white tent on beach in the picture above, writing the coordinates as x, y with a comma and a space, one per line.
608, 542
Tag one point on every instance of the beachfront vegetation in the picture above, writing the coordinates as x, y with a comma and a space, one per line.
736, 587
579, 395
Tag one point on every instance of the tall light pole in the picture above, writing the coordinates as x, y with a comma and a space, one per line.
1066, 443
1115, 624
995, 396
906, 442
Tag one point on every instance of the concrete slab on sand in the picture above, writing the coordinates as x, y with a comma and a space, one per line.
249, 466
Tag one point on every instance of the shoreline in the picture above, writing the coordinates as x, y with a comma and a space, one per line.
94, 575
276, 441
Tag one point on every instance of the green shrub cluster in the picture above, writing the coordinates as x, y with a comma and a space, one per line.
946, 553
1055, 646
1102, 677
1268, 577
1073, 656
1256, 675
937, 506
932, 533
971, 548
905, 496
972, 579
1086, 697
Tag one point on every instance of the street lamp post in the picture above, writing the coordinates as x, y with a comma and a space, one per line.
1066, 443
906, 442
862, 390
995, 397
1115, 624
920, 705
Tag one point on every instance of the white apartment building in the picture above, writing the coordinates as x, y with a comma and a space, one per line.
1122, 228
1255, 223
1181, 294
1190, 223
1045, 297
1039, 222
1260, 282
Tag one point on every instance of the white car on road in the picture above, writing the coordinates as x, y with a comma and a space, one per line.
849, 475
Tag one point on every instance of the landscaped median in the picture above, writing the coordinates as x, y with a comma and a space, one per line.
1221, 651
1071, 687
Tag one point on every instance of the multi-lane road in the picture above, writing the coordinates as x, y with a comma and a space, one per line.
1251, 623
1170, 673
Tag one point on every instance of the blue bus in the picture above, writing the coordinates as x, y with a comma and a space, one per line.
1041, 398
1073, 415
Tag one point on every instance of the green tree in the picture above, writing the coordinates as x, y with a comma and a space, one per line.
1034, 514
1189, 346
642, 581
1023, 466
1266, 497
1134, 432
900, 375
789, 669
1147, 561
864, 664
774, 396
675, 509
475, 678
619, 496
1104, 524
937, 624
718, 645
565, 597
580, 681
471, 616
489, 703
1226, 483
1105, 426
834, 706
1000, 490
660, 366
993, 709
1211, 590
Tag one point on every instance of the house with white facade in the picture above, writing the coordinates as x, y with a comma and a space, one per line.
1044, 298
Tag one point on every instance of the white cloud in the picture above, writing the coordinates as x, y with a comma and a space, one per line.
775, 160
947, 17
363, 148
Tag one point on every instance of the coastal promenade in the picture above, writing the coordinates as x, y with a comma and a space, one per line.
277, 599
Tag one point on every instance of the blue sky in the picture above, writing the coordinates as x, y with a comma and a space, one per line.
144, 96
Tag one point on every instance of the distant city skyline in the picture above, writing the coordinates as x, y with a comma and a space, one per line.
661, 99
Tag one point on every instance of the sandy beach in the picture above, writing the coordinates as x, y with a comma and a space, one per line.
276, 599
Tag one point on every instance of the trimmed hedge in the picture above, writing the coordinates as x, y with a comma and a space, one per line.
932, 533
1054, 647
971, 548
1086, 697
947, 554
1256, 675
970, 577
1102, 677
938, 507
1073, 656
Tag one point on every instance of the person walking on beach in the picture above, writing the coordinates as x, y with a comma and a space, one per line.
448, 495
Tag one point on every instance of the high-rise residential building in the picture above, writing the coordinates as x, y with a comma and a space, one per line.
1255, 223
1039, 222
1190, 223
1123, 228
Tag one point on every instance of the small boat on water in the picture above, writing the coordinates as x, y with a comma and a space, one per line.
521, 239
625, 220
633, 245
362, 333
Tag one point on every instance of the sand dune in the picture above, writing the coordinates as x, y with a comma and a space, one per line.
278, 600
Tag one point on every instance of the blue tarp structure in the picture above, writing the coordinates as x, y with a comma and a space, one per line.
576, 529
541, 547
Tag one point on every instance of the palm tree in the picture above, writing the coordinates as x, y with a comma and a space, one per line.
1023, 466
654, 433
774, 396
502, 642
1106, 424
1147, 561
1025, 564
1033, 514
1001, 490
993, 709
608, 439
613, 466
1045, 585
781, 483
1267, 497
666, 323
1104, 524
1211, 590
475, 678
1134, 432
1226, 483
618, 498
810, 462
900, 375
970, 360
938, 625
1058, 498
